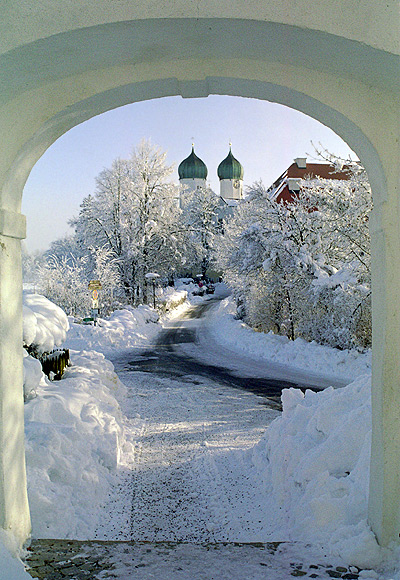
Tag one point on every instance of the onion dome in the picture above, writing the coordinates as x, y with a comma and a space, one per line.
192, 167
230, 168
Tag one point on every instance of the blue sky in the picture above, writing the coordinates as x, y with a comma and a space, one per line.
265, 137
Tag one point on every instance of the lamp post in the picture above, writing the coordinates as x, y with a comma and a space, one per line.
152, 276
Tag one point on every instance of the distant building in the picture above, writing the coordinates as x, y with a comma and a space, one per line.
193, 173
287, 186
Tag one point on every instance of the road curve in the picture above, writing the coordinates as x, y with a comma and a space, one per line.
170, 357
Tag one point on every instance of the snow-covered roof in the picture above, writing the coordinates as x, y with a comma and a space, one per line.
282, 189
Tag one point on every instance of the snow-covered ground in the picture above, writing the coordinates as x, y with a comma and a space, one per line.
206, 463
176, 489
316, 359
75, 435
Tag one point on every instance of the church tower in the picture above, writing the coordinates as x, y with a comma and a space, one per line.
192, 172
230, 173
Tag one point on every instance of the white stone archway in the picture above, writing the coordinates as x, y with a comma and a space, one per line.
70, 63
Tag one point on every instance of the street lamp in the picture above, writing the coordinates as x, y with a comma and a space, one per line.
152, 276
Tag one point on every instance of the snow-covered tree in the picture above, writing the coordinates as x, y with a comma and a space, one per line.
341, 287
200, 209
302, 268
66, 247
30, 264
64, 282
106, 270
134, 213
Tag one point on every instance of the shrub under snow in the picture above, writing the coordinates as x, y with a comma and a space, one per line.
170, 298
45, 323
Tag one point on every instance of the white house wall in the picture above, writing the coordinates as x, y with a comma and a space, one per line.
62, 63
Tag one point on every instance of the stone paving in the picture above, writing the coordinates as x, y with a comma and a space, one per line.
73, 560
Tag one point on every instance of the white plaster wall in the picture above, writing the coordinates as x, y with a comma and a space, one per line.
361, 20
330, 65
14, 510
192, 184
228, 191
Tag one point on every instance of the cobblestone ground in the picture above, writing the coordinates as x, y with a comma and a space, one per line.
63, 559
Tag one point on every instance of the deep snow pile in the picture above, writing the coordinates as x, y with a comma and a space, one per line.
74, 436
324, 360
314, 459
45, 326
121, 330
75, 430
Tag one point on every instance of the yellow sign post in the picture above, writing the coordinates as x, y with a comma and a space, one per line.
94, 286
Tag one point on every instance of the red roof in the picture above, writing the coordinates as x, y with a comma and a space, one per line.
285, 190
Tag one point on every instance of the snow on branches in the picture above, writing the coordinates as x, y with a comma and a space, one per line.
131, 225
134, 213
200, 214
303, 268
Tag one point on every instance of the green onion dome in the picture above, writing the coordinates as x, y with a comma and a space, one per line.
192, 167
230, 168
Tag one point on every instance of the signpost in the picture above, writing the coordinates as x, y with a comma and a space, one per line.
94, 286
152, 276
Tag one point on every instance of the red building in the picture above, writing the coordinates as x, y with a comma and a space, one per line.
284, 189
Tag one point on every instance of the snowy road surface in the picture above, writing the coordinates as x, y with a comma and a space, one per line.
173, 487
188, 480
186, 347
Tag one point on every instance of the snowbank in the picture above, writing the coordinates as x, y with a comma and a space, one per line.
74, 436
45, 323
314, 459
170, 298
33, 375
324, 360
75, 431
121, 330
11, 566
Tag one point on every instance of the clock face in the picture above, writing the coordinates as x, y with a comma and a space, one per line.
236, 183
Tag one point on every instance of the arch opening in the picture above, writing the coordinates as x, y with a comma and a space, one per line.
249, 93
356, 111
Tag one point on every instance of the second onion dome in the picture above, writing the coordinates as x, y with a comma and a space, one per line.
230, 168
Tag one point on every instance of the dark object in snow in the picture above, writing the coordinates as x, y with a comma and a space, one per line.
334, 573
210, 289
87, 320
199, 290
54, 362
